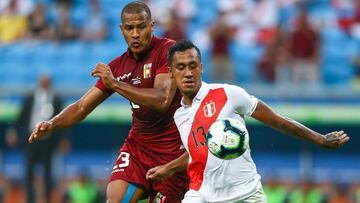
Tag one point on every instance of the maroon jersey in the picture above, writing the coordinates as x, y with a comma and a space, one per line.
149, 127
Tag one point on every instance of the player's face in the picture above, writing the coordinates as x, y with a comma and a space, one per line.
137, 30
186, 68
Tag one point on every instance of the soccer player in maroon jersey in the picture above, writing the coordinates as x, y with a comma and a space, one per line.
142, 76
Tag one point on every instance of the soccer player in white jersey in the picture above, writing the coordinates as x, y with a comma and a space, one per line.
213, 179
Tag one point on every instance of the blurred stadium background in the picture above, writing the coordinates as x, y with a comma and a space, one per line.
260, 51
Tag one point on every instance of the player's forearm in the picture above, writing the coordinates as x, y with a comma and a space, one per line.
296, 129
149, 97
71, 115
77, 111
179, 164
287, 126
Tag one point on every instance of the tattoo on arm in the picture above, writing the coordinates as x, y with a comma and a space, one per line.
294, 128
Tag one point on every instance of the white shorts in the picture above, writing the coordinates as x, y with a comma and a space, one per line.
193, 196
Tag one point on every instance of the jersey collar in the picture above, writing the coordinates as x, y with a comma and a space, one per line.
204, 89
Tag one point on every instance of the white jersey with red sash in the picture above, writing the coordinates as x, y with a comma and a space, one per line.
217, 179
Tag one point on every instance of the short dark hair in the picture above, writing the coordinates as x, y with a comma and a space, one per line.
136, 7
182, 45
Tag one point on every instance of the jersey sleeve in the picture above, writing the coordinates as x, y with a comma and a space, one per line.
99, 83
163, 63
244, 103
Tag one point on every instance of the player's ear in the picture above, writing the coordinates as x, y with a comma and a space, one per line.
152, 24
171, 72
121, 28
201, 68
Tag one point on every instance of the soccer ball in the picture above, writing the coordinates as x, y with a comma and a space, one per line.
227, 138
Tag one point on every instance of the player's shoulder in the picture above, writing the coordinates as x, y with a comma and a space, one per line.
225, 86
163, 42
228, 88
118, 59
179, 115
214, 86
179, 112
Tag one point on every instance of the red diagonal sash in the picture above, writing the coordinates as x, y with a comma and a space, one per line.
206, 114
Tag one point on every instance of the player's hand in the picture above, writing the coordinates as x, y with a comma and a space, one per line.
41, 131
103, 72
158, 173
335, 139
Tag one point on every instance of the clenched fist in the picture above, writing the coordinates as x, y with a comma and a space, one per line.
41, 131
103, 72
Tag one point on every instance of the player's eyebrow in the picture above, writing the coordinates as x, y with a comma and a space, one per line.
186, 63
136, 24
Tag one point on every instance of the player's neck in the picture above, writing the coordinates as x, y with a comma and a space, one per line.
137, 56
187, 101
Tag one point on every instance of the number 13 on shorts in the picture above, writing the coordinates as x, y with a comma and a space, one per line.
124, 157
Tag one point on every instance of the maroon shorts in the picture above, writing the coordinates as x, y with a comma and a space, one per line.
134, 161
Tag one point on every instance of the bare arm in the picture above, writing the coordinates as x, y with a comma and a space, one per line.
288, 126
162, 172
71, 115
159, 97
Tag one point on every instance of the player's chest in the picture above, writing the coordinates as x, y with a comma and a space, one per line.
195, 121
139, 74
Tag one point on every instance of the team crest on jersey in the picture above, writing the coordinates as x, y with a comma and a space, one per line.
147, 70
209, 109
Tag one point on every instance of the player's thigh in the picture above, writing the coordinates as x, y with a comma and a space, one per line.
193, 196
116, 191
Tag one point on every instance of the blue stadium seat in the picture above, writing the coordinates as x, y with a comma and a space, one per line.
337, 63
72, 61
244, 61
206, 60
205, 16
206, 4
333, 34
79, 14
337, 70
14, 79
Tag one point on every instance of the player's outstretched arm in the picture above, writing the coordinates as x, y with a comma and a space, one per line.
159, 97
288, 126
71, 115
162, 172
